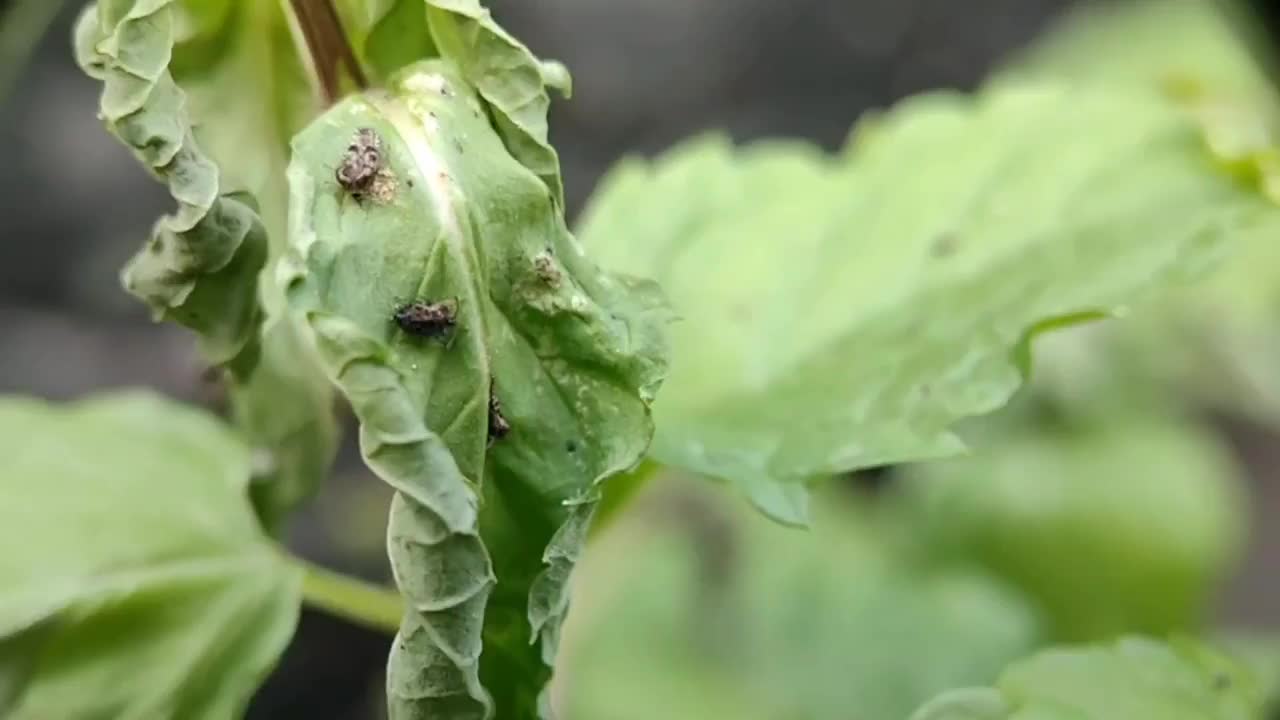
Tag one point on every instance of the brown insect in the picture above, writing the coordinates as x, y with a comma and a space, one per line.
362, 164
427, 319
498, 425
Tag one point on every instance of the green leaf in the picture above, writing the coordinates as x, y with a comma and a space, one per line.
484, 527
200, 267
1194, 52
1146, 42
1127, 523
966, 704
511, 81
285, 411
1213, 344
1259, 651
697, 608
844, 312
137, 583
1133, 679
206, 94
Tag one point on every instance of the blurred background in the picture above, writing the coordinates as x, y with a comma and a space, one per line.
1143, 494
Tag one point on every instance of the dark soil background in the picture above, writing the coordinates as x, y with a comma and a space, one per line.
74, 205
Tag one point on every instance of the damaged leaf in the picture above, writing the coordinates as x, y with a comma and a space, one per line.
497, 437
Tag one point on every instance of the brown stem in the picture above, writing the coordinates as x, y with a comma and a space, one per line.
328, 46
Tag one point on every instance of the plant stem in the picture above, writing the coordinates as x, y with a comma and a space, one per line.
21, 28
328, 46
372, 606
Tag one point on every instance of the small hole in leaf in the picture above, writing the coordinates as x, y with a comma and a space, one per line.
571, 446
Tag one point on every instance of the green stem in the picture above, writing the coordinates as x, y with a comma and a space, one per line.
21, 28
328, 47
363, 603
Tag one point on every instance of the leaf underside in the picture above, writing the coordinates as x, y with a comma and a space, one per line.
843, 312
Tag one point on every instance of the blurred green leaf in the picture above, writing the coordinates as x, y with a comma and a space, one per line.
1146, 42
1193, 51
1213, 344
1125, 523
1260, 653
697, 608
137, 582
840, 313
485, 526
1132, 679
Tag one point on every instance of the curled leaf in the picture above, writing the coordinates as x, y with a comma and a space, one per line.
200, 267
497, 374
206, 95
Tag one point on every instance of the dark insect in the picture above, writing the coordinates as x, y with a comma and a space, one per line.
498, 425
427, 319
362, 162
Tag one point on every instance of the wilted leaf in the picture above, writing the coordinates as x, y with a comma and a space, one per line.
137, 582
514, 327
200, 267
1133, 679
697, 608
843, 312
207, 93
1123, 524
